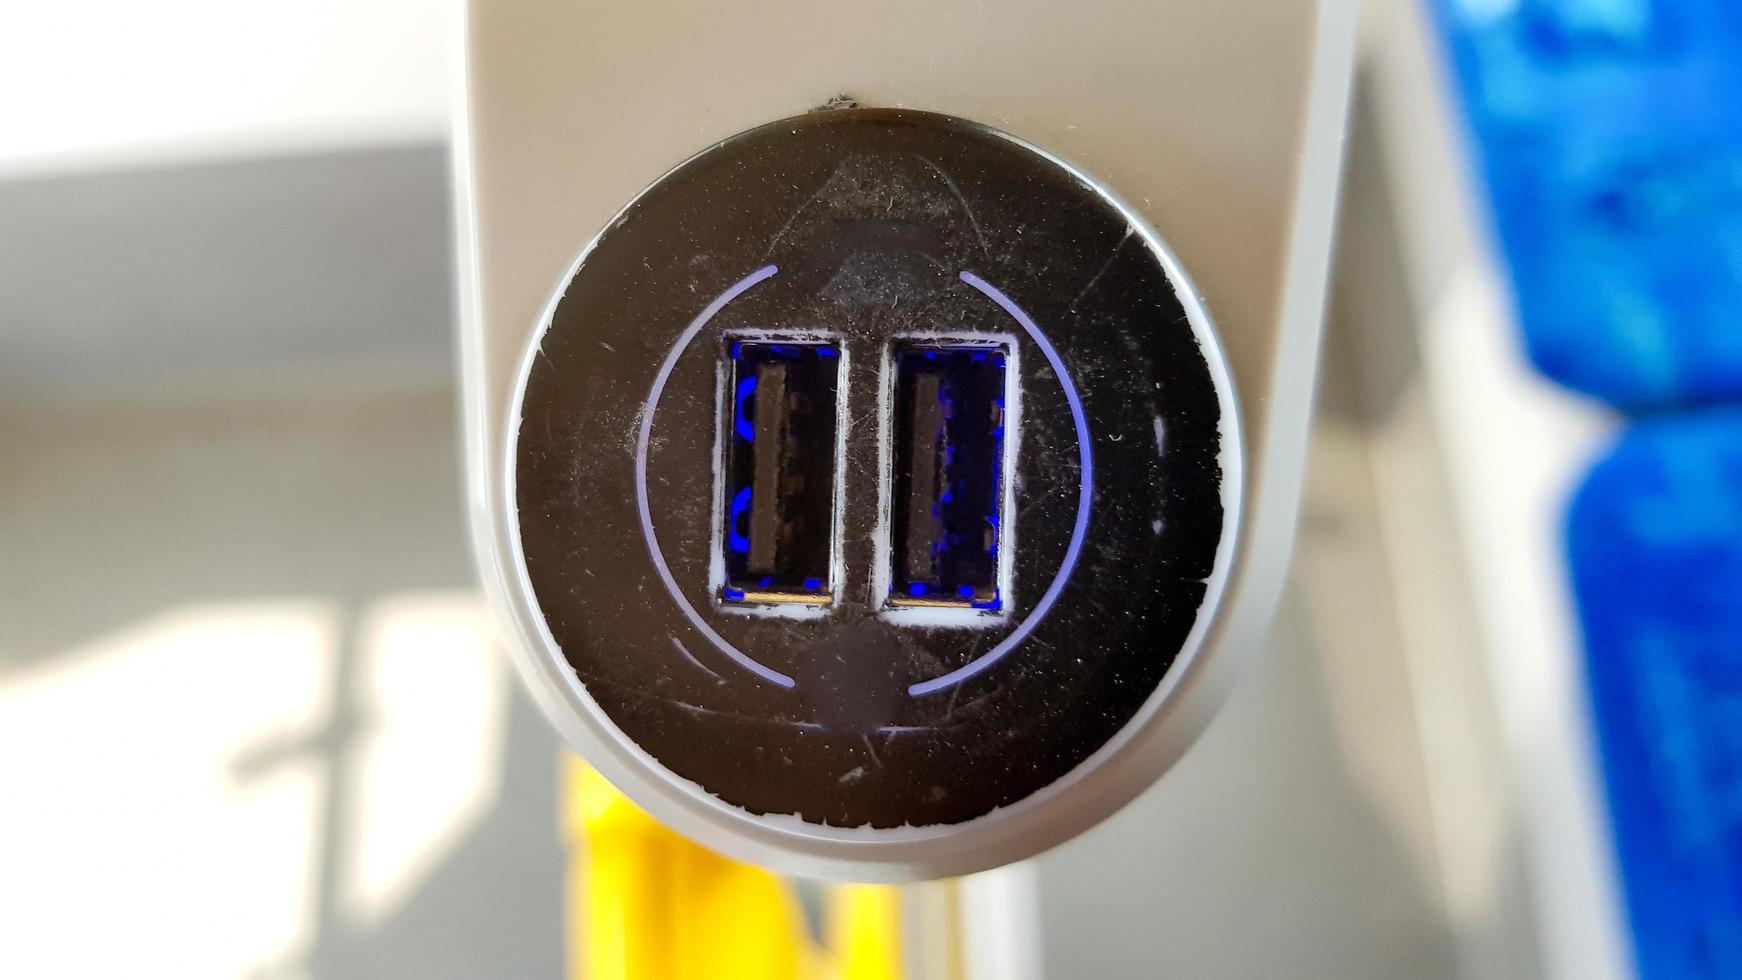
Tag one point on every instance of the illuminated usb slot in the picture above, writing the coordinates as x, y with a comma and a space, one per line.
949, 461
778, 471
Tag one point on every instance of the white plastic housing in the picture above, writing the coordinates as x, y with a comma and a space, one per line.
1220, 122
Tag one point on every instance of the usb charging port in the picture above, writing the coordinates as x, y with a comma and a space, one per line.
946, 509
778, 471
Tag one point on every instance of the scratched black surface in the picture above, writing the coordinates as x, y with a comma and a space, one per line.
870, 215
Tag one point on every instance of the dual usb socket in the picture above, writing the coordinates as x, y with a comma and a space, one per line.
942, 498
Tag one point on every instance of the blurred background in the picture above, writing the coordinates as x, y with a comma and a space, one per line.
228, 424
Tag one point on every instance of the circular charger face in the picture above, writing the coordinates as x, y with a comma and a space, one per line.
870, 470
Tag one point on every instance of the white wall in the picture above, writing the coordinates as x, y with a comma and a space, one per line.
106, 84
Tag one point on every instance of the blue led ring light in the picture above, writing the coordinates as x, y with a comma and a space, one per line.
1085, 500
1085, 493
738, 656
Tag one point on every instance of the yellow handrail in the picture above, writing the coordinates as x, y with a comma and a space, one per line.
647, 904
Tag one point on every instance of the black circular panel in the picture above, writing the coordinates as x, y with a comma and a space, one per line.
826, 271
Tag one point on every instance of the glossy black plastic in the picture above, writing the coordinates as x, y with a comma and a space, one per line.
872, 227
